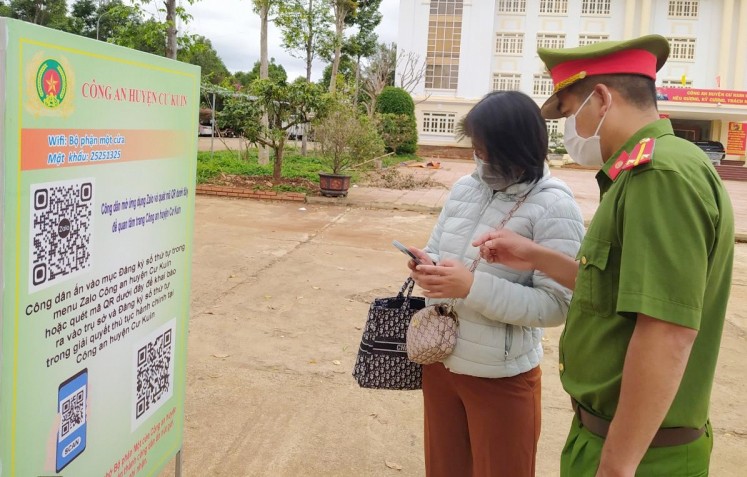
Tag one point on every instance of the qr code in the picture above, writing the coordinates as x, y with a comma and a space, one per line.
154, 371
61, 225
73, 411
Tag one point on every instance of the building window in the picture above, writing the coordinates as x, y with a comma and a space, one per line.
542, 85
584, 39
444, 40
682, 48
509, 43
439, 123
506, 81
553, 126
550, 40
595, 7
512, 6
683, 8
553, 6
676, 83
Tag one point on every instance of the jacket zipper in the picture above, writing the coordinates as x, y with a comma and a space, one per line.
509, 338
477, 222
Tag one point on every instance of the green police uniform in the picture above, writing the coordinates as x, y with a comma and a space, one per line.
661, 243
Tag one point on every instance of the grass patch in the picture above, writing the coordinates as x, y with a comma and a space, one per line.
295, 166
300, 174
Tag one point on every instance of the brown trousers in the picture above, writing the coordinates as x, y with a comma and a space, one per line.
480, 427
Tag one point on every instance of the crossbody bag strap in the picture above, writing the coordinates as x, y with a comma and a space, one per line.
503, 223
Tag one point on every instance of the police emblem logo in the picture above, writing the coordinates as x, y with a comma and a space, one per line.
50, 86
51, 83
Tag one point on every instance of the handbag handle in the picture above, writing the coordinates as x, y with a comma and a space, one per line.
408, 286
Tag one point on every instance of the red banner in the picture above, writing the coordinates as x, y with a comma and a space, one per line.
692, 95
736, 139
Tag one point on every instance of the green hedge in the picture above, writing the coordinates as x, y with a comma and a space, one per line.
395, 101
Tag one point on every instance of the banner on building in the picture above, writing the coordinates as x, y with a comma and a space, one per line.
736, 140
98, 150
693, 95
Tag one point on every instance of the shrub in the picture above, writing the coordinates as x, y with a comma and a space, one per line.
347, 139
399, 132
395, 101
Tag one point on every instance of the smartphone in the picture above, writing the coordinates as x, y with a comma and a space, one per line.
404, 250
72, 400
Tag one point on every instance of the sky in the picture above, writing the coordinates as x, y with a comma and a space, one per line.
233, 28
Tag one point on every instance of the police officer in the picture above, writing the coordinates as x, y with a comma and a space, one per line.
652, 278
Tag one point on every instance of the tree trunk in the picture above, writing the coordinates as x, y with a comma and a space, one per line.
264, 68
309, 59
339, 25
264, 72
357, 80
171, 28
277, 170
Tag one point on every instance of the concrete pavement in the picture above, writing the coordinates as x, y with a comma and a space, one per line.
581, 182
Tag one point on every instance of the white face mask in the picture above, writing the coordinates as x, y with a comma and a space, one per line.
490, 176
586, 151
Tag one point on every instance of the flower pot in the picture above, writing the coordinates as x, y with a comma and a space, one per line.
334, 185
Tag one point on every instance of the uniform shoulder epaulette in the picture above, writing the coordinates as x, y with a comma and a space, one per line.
642, 153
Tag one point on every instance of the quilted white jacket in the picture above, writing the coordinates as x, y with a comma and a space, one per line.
500, 320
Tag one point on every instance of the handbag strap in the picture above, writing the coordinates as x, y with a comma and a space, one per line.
408, 286
503, 223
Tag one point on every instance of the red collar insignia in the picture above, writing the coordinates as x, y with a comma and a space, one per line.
641, 154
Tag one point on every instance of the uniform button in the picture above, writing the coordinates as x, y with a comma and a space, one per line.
583, 260
561, 367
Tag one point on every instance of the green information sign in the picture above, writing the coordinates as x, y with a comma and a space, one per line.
97, 150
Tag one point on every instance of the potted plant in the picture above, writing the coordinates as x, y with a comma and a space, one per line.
346, 140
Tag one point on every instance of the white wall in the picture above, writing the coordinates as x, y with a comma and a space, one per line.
478, 61
478, 40
413, 32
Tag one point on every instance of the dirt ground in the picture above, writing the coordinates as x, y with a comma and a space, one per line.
279, 296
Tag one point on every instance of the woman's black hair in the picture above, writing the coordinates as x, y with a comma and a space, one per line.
508, 126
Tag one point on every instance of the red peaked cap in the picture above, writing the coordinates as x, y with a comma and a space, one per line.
638, 56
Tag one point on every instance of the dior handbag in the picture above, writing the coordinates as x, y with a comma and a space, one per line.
382, 358
432, 334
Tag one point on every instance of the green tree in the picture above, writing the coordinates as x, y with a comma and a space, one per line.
345, 72
148, 36
201, 53
365, 41
83, 15
5, 10
396, 121
304, 24
395, 101
379, 74
284, 105
265, 9
347, 138
277, 74
343, 10
399, 132
172, 12
93, 20
48, 13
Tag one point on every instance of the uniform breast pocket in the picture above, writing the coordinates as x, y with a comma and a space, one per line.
595, 284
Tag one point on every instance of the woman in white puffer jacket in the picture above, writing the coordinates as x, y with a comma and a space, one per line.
482, 404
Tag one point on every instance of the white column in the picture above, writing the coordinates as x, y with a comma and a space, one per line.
629, 18
645, 18
740, 81
726, 46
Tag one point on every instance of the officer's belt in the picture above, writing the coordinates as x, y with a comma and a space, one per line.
664, 437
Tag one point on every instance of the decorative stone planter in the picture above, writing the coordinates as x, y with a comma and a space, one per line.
334, 185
